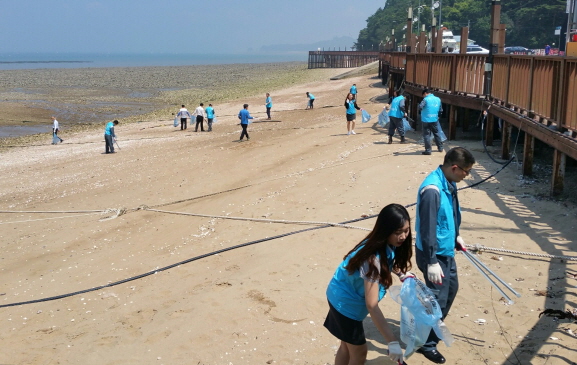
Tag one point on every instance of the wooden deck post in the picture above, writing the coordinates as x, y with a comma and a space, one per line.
452, 123
505, 140
466, 119
464, 39
489, 129
528, 150
557, 181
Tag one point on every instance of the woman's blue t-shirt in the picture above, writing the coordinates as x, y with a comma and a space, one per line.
346, 292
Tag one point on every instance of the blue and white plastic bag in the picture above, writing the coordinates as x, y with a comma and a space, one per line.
176, 122
366, 116
420, 313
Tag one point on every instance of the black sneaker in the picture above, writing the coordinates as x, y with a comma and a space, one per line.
425, 153
433, 355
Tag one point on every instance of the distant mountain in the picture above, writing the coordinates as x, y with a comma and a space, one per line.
337, 42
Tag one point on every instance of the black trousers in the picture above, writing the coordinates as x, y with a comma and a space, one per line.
183, 123
199, 121
244, 132
109, 143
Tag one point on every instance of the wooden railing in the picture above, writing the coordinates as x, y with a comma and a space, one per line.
544, 88
341, 59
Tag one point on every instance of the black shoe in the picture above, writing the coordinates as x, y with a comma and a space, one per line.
390, 140
433, 355
403, 139
425, 153
440, 149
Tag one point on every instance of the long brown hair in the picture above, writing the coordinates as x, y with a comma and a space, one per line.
390, 219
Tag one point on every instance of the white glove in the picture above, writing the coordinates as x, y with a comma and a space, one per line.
395, 351
460, 245
406, 275
435, 273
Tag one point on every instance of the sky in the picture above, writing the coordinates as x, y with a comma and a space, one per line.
175, 26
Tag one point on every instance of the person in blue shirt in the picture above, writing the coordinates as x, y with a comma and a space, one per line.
268, 105
437, 230
430, 108
352, 107
361, 280
110, 136
311, 102
244, 117
209, 116
396, 114
354, 91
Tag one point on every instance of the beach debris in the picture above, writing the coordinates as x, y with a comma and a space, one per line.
480, 321
497, 258
559, 314
553, 338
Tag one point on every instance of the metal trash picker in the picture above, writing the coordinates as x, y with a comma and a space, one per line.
485, 271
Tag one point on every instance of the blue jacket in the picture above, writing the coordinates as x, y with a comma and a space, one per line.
431, 105
354, 90
268, 102
447, 222
395, 110
109, 131
244, 116
209, 112
346, 292
351, 106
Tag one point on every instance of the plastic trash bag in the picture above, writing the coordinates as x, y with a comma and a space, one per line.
176, 122
383, 120
420, 313
406, 125
441, 133
55, 138
214, 120
366, 116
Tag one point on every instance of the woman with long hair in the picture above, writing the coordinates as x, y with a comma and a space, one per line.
352, 107
361, 281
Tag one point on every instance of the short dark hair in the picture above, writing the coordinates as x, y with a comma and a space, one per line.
115, 122
426, 91
209, 104
459, 156
182, 106
201, 104
245, 106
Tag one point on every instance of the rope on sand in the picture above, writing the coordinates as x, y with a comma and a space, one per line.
264, 220
481, 248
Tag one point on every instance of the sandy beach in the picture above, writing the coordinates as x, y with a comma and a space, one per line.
80, 219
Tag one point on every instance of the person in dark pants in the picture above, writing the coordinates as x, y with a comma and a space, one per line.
396, 114
183, 114
437, 229
209, 116
311, 103
268, 105
110, 136
430, 108
244, 117
199, 112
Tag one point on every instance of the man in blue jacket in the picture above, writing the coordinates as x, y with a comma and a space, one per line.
110, 136
437, 230
396, 115
244, 117
430, 108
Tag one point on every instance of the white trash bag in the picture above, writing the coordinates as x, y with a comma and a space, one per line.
419, 313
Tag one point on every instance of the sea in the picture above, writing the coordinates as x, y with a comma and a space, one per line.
29, 61
19, 61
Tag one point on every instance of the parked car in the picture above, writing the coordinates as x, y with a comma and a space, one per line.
475, 49
518, 50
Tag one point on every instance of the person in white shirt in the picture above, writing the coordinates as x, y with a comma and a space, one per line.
55, 131
199, 112
183, 113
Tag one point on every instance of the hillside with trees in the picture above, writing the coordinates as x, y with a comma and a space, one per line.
530, 23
